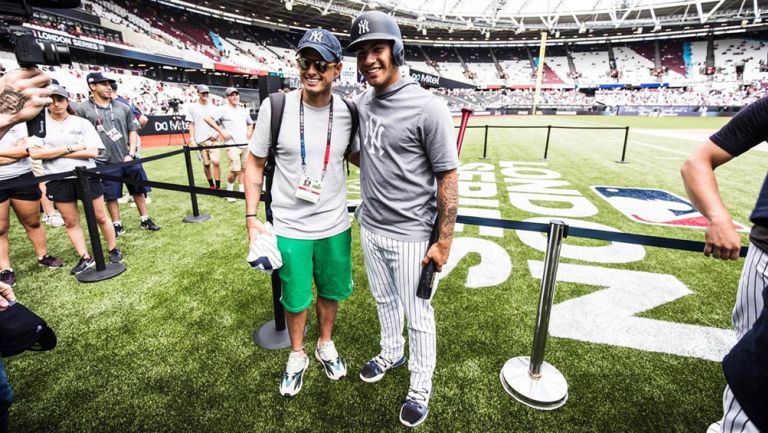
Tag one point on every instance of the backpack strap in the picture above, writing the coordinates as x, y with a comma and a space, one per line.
352, 131
277, 106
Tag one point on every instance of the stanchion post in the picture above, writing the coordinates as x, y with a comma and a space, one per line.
273, 334
485, 143
532, 381
195, 217
624, 148
546, 145
103, 270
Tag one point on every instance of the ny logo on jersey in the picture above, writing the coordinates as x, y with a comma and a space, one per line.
362, 27
316, 37
374, 130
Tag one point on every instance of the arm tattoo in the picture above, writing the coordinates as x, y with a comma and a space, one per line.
11, 101
447, 204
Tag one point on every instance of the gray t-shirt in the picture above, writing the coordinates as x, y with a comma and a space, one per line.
113, 115
235, 120
9, 141
196, 114
72, 131
295, 218
406, 136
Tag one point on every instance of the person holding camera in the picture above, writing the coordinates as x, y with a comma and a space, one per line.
236, 128
71, 142
117, 128
24, 94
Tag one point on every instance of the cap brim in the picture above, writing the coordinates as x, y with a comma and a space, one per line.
351, 48
47, 341
324, 52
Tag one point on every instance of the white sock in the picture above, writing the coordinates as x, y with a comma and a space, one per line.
230, 186
241, 188
144, 218
117, 222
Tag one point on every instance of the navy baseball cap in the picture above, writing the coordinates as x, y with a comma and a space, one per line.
324, 42
21, 330
97, 77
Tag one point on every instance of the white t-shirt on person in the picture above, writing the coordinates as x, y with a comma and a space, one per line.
295, 218
9, 141
72, 131
234, 120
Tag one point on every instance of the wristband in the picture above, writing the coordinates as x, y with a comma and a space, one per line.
251, 215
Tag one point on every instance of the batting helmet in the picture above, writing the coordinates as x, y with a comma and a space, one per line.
375, 25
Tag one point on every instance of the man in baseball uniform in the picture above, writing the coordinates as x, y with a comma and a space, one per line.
309, 202
236, 128
408, 163
745, 400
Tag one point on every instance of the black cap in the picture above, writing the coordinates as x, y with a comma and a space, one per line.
21, 330
97, 77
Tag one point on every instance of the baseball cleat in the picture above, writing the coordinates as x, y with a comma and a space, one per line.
415, 409
334, 365
377, 367
293, 377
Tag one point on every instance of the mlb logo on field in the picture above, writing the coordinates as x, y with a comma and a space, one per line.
655, 206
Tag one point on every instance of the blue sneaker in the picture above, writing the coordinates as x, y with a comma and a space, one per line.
334, 365
377, 367
416, 407
293, 377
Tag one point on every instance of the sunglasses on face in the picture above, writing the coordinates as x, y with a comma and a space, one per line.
320, 65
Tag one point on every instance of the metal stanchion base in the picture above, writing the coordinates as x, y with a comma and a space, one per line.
484, 158
268, 337
91, 275
622, 162
547, 392
196, 219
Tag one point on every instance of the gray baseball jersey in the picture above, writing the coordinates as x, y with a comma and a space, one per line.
406, 136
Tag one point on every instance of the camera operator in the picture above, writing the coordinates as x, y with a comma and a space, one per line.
23, 94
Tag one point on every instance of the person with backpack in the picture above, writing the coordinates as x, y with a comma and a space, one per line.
306, 135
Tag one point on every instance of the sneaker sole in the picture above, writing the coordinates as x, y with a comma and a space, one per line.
378, 378
301, 384
407, 424
51, 267
322, 364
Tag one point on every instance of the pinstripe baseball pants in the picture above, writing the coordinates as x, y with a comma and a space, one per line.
393, 268
749, 304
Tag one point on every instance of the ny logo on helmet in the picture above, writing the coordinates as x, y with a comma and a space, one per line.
316, 37
362, 27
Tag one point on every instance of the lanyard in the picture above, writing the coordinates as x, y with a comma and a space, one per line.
327, 142
96, 109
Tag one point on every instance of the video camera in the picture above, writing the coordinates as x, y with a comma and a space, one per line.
174, 103
30, 52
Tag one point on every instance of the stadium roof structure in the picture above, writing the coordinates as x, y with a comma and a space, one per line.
506, 22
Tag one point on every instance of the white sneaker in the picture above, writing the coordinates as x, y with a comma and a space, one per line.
293, 377
53, 220
231, 199
334, 365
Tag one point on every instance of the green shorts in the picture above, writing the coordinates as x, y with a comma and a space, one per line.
328, 260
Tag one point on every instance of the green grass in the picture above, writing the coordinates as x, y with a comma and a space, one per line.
166, 346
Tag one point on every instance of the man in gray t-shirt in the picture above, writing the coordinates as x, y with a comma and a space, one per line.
408, 164
203, 135
236, 126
